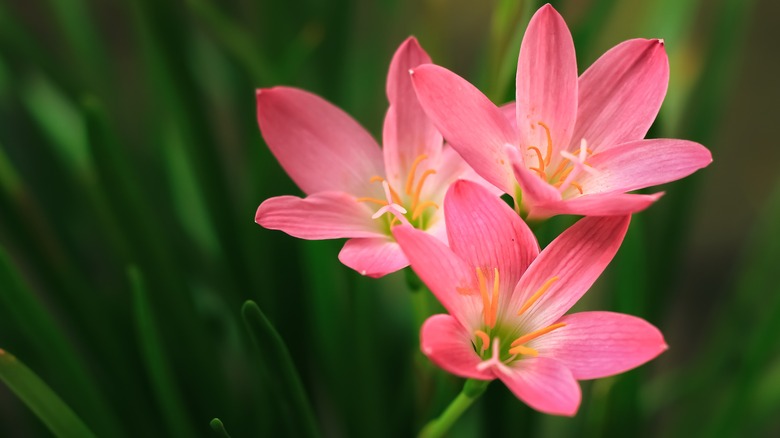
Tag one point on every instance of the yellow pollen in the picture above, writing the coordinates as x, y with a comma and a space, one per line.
420, 208
576, 186
374, 200
539, 157
522, 349
537, 294
549, 143
489, 306
412, 171
535, 334
418, 190
485, 339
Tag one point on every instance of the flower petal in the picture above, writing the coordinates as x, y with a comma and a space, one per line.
546, 82
509, 110
644, 163
484, 231
448, 344
599, 204
448, 276
545, 385
621, 93
326, 215
576, 258
408, 133
317, 144
469, 121
600, 344
534, 190
373, 257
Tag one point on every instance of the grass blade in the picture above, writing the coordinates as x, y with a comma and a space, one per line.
34, 392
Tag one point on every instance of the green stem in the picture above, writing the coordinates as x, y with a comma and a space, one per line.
472, 389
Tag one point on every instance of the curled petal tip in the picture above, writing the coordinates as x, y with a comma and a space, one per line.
411, 72
660, 41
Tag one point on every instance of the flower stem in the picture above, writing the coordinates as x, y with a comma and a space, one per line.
437, 427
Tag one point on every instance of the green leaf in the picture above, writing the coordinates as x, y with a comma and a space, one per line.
154, 356
280, 371
34, 392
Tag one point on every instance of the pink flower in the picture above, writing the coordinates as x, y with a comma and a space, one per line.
507, 301
570, 145
354, 189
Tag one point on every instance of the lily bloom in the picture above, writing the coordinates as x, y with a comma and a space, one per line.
354, 188
574, 145
506, 301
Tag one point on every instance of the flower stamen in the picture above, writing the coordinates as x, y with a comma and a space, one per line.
412, 171
519, 348
489, 303
537, 294
485, 339
420, 208
549, 143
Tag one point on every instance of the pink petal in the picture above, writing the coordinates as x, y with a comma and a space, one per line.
469, 121
449, 278
600, 344
407, 132
621, 93
545, 385
448, 344
577, 257
486, 233
644, 163
317, 144
373, 257
509, 110
534, 189
546, 82
327, 215
599, 204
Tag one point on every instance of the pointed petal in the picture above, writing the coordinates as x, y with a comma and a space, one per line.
545, 385
449, 278
408, 133
577, 257
599, 204
644, 163
469, 121
546, 82
448, 344
327, 215
373, 257
486, 233
317, 144
621, 93
600, 344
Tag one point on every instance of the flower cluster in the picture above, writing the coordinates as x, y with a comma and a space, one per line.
567, 145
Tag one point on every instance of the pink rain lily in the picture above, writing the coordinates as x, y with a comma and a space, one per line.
506, 301
570, 145
354, 188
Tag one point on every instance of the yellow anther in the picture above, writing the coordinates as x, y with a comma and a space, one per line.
489, 303
418, 190
537, 294
485, 339
420, 208
549, 143
522, 349
374, 200
412, 171
535, 334
539, 157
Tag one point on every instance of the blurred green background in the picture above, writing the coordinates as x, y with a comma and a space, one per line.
131, 166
